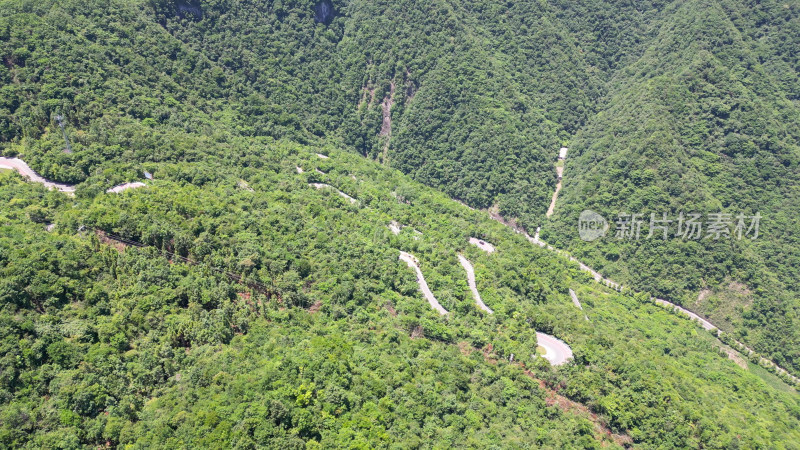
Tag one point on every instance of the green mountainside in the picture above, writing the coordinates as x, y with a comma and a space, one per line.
241, 299
327, 339
703, 122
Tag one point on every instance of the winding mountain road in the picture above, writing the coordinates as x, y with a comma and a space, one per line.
616, 286
69, 189
483, 245
575, 299
472, 286
577, 302
551, 209
395, 227
125, 187
562, 155
661, 302
423, 285
323, 186
556, 351
25, 170
703, 322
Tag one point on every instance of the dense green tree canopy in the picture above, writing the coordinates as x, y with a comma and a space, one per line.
230, 304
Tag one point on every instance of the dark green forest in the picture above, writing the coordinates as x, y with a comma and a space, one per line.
230, 304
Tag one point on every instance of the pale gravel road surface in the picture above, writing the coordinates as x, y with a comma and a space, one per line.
423, 286
562, 155
552, 207
323, 186
395, 227
577, 302
25, 170
703, 322
747, 351
472, 286
483, 245
575, 299
556, 351
560, 173
126, 186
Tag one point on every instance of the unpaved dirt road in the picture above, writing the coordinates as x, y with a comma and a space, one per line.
126, 186
483, 245
395, 227
323, 186
703, 322
575, 299
577, 302
551, 209
423, 286
614, 285
556, 351
472, 286
562, 155
25, 170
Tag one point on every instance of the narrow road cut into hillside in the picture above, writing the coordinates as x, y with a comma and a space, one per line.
538, 241
552, 208
125, 186
323, 186
556, 351
472, 286
483, 245
396, 228
703, 322
25, 170
711, 327
562, 156
575, 299
616, 286
423, 285
577, 302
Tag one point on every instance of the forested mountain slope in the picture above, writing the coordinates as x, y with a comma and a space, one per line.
262, 311
705, 121
273, 70
355, 79
327, 339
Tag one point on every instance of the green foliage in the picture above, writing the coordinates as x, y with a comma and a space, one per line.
128, 347
294, 324
699, 122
